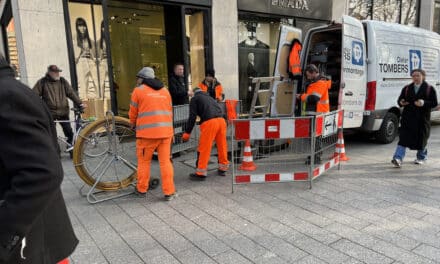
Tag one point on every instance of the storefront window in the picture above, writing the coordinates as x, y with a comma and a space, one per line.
436, 24
89, 48
257, 44
257, 49
195, 35
137, 36
397, 11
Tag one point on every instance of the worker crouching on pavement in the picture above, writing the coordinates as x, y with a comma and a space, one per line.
151, 113
212, 127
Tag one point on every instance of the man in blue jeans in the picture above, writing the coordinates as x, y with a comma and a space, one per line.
417, 100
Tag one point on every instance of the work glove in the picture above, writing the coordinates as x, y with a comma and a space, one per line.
185, 137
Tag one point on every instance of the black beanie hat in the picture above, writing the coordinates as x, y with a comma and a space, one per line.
210, 72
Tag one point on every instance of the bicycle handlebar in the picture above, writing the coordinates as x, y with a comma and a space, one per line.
78, 110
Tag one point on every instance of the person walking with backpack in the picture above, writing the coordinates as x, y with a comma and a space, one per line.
55, 90
417, 100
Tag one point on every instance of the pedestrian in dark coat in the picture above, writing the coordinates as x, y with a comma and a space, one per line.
55, 90
34, 224
417, 100
177, 86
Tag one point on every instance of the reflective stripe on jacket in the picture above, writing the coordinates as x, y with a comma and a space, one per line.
218, 90
152, 112
320, 89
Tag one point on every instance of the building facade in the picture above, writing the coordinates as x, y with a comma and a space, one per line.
100, 45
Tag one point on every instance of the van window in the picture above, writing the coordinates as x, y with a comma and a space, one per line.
324, 50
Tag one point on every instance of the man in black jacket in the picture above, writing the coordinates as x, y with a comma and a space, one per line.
34, 224
212, 127
177, 86
54, 90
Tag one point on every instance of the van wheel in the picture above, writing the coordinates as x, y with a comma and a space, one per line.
388, 130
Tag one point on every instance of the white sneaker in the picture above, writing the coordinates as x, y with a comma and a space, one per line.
397, 163
419, 161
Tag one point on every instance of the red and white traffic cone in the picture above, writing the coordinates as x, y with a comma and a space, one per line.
340, 148
248, 161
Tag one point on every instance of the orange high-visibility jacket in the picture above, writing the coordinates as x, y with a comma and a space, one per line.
152, 112
320, 89
217, 87
295, 58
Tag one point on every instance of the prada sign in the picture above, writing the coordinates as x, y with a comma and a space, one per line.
195, 2
316, 9
295, 4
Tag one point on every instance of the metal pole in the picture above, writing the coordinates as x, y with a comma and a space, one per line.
341, 112
232, 155
312, 150
400, 12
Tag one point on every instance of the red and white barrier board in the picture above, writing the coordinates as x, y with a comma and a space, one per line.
286, 128
285, 177
283, 166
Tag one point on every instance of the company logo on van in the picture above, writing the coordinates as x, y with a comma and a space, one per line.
357, 56
415, 59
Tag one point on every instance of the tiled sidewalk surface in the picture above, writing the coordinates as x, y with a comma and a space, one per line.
369, 212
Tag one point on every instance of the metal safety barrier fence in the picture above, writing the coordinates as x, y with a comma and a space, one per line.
291, 149
180, 118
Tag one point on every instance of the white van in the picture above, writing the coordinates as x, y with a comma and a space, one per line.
369, 63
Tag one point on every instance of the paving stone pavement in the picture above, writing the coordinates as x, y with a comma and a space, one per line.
367, 212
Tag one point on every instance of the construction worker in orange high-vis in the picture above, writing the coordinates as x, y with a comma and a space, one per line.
316, 101
212, 86
151, 114
315, 98
212, 127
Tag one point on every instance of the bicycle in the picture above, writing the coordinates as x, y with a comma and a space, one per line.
79, 125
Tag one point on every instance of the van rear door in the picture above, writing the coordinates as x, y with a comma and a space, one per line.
354, 72
283, 102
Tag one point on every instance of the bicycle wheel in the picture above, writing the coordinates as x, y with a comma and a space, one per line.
96, 144
106, 151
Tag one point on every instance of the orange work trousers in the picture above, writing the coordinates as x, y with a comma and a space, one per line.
213, 129
145, 148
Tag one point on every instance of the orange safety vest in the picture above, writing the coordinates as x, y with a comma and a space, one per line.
231, 109
152, 112
218, 90
295, 58
320, 89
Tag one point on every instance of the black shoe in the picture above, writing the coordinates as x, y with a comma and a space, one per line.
195, 177
154, 183
170, 197
397, 163
221, 173
140, 194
